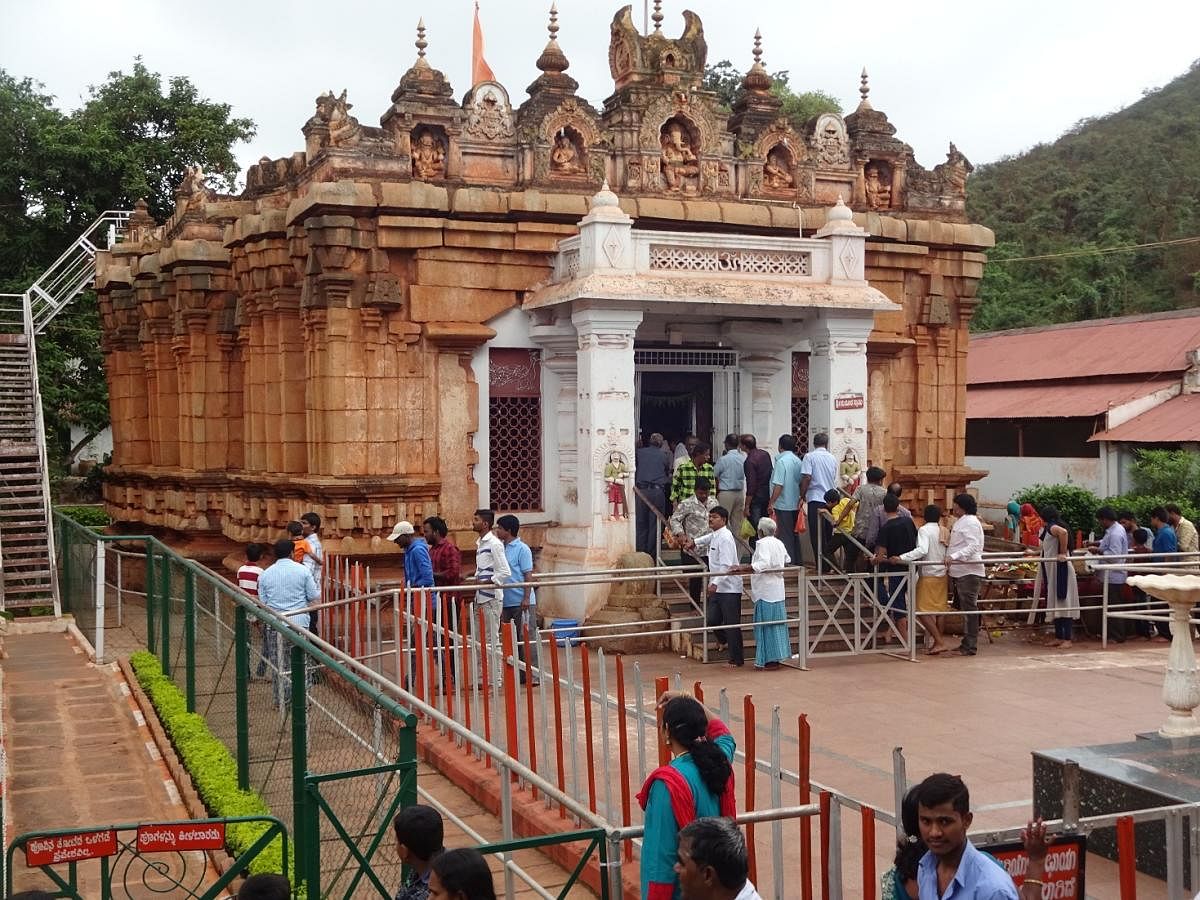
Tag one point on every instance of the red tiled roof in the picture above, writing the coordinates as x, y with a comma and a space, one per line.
1176, 421
1040, 401
1133, 345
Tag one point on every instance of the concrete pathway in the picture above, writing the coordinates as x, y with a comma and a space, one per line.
78, 755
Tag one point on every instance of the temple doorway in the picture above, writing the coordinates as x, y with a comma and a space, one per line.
675, 404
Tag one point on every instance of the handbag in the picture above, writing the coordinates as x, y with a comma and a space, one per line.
747, 530
801, 521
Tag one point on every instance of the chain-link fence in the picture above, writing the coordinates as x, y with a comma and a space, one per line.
330, 755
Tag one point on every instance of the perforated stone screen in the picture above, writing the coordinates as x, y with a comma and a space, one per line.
800, 398
515, 430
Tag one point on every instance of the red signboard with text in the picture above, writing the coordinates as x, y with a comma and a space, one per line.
62, 848
178, 837
1064, 865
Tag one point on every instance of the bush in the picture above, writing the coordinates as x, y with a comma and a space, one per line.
1141, 504
91, 516
212, 767
1075, 504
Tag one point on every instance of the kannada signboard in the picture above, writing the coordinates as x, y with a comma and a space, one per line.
1064, 865
848, 400
61, 848
178, 837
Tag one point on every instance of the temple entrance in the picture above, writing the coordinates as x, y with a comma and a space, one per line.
675, 404
679, 391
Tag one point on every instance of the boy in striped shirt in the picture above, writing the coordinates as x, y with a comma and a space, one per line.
247, 580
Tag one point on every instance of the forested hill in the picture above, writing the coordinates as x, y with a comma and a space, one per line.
1132, 177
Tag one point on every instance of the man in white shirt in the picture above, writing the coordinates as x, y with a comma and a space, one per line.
724, 590
491, 569
965, 556
818, 476
713, 862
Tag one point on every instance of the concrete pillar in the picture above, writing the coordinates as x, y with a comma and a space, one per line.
837, 379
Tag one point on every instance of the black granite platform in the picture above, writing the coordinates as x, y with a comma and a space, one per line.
1141, 774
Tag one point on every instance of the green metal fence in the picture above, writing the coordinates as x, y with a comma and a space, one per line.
332, 755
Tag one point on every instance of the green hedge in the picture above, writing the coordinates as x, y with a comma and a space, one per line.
89, 516
1075, 504
1141, 505
211, 765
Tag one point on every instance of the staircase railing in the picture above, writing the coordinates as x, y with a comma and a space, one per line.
39, 429
61, 283
74, 269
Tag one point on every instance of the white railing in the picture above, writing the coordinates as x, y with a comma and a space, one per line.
74, 269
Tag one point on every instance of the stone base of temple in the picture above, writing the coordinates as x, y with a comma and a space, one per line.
581, 548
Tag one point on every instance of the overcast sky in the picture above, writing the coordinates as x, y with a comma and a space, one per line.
996, 78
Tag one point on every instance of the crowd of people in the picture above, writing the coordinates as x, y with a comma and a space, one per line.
769, 504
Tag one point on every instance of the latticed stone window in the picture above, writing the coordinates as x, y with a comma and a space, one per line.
515, 429
800, 398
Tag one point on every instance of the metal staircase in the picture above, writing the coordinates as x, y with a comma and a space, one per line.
28, 575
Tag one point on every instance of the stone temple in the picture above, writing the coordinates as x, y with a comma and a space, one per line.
473, 304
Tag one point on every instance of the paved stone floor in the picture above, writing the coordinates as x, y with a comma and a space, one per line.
979, 717
77, 755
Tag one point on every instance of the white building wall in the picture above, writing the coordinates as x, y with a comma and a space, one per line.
1009, 475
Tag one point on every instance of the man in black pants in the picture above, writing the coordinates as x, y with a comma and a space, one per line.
724, 590
652, 474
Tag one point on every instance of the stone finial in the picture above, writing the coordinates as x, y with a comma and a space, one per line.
757, 79
864, 88
421, 43
657, 16
553, 60
604, 197
839, 212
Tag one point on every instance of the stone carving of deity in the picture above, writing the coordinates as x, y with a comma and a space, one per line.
680, 168
344, 130
489, 118
428, 157
777, 170
564, 158
832, 147
879, 192
956, 168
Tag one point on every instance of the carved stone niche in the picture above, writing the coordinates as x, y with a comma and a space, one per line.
878, 182
681, 144
779, 169
429, 146
568, 154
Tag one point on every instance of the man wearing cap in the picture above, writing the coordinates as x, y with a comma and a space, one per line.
418, 567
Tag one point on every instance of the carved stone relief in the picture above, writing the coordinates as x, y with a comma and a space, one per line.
489, 117
428, 155
831, 146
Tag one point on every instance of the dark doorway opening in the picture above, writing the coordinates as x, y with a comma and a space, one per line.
674, 403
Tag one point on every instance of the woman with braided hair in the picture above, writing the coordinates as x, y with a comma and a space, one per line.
697, 782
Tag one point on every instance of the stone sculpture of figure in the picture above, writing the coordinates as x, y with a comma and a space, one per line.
831, 146
879, 192
428, 157
777, 170
955, 170
193, 186
564, 159
616, 473
344, 129
679, 164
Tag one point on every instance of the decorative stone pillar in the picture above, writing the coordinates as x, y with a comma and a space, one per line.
838, 382
561, 343
761, 352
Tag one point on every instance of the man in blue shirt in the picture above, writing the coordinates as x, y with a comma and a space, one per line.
286, 588
418, 567
953, 869
730, 471
819, 475
1165, 540
785, 494
519, 601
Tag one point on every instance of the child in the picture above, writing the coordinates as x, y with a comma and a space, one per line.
841, 508
300, 545
418, 842
310, 524
1142, 544
247, 580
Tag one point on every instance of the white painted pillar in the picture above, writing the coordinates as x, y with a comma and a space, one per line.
560, 344
605, 418
837, 379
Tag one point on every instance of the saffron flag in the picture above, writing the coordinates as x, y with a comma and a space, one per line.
480, 70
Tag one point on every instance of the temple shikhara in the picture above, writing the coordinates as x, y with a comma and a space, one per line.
475, 304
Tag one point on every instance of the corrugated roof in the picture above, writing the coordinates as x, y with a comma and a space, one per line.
1176, 421
1039, 401
1131, 345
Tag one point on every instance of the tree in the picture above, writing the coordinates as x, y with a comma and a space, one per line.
133, 137
724, 79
